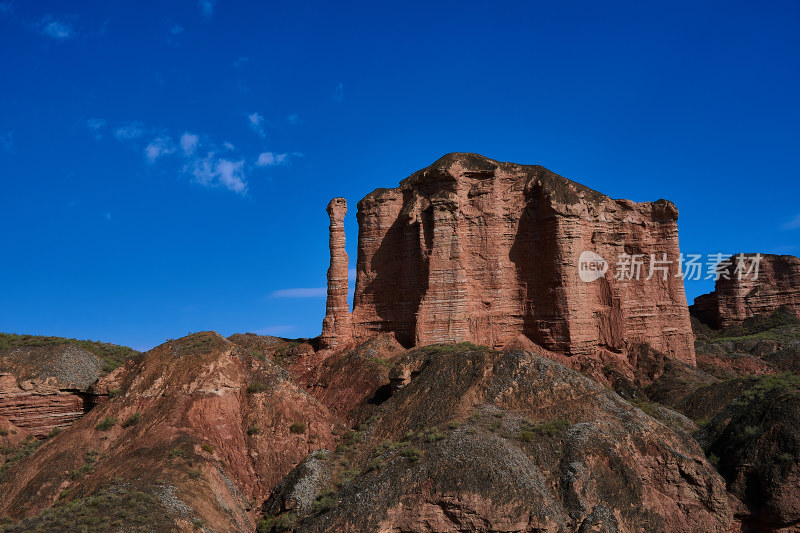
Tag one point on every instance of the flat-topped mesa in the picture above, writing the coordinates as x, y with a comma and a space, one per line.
336, 327
743, 291
471, 249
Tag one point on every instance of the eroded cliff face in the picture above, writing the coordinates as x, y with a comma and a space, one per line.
471, 249
739, 295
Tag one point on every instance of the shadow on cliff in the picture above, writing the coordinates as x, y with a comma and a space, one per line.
401, 278
535, 253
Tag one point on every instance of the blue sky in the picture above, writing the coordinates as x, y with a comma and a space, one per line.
166, 165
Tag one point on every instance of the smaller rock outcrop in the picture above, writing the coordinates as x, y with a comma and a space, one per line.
336, 326
741, 293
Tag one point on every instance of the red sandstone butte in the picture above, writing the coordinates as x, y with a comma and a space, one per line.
776, 284
472, 249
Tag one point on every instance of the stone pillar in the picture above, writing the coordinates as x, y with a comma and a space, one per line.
337, 325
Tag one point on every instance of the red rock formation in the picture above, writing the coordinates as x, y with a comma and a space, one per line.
39, 407
776, 284
471, 249
336, 326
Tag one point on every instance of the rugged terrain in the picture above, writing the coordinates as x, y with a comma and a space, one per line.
581, 406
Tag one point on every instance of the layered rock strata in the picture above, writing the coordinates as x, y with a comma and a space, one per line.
741, 292
471, 249
336, 327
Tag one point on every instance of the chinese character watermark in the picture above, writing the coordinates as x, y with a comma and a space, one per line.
592, 266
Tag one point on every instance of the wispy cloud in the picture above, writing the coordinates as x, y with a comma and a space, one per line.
793, 223
338, 93
207, 7
313, 292
96, 125
129, 131
257, 123
5, 7
189, 142
242, 61
176, 29
160, 146
213, 171
270, 159
56, 29
293, 119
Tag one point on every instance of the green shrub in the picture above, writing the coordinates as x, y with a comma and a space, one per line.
351, 437
79, 472
412, 453
284, 522
3, 433
298, 428
325, 501
375, 464
253, 430
207, 448
347, 476
131, 420
714, 460
551, 428
194, 474
106, 424
255, 388
113, 393
177, 452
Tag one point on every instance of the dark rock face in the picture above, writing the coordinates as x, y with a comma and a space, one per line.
737, 298
755, 438
476, 440
471, 249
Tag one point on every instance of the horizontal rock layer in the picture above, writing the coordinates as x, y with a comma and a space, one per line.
471, 249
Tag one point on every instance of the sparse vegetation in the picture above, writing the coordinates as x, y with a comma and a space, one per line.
113, 393
131, 420
112, 355
551, 428
177, 452
412, 453
106, 424
112, 509
298, 428
207, 448
255, 388
253, 430
325, 501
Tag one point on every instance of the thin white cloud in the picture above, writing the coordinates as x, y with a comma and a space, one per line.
257, 123
792, 224
228, 146
5, 7
351, 275
56, 29
313, 292
160, 146
293, 119
207, 7
231, 175
242, 61
176, 29
96, 124
189, 143
271, 159
212, 171
129, 132
338, 93
108, 216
